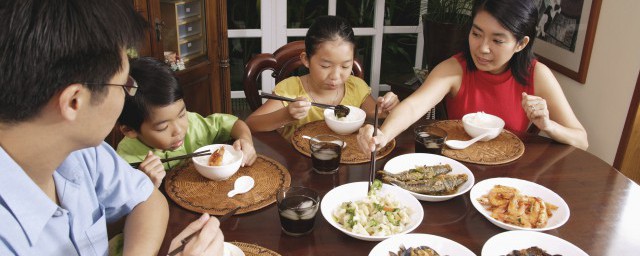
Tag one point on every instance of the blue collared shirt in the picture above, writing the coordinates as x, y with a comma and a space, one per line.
94, 187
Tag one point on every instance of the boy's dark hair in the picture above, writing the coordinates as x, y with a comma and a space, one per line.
47, 45
327, 28
157, 87
518, 16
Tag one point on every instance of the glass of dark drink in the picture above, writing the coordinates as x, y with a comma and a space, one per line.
297, 207
429, 139
326, 151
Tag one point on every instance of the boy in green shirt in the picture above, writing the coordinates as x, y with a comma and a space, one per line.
156, 123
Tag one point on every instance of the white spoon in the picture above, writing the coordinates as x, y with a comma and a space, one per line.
242, 185
344, 145
462, 144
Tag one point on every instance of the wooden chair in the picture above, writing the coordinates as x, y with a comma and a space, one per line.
283, 62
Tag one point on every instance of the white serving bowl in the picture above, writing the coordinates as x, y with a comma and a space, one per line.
559, 217
439, 244
349, 124
476, 124
409, 161
230, 162
357, 191
506, 242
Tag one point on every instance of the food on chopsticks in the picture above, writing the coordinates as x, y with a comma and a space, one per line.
508, 205
428, 180
375, 215
531, 251
417, 251
216, 158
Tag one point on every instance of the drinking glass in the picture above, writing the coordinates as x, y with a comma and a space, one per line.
326, 151
297, 207
429, 139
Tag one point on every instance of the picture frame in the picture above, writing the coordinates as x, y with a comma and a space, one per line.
565, 33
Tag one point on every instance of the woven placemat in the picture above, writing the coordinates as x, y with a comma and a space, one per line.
505, 148
254, 250
350, 155
189, 189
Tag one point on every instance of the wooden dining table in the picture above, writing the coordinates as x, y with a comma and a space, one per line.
604, 204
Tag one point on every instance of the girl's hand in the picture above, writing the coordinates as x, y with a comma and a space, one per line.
153, 168
367, 142
248, 151
209, 240
387, 102
299, 109
536, 110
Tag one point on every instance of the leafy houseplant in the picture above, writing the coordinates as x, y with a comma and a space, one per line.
445, 26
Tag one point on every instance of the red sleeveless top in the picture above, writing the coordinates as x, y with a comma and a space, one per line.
499, 95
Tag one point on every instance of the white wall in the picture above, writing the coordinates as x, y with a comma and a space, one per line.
602, 103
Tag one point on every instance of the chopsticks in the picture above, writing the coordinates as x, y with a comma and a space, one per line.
372, 166
278, 97
188, 238
194, 154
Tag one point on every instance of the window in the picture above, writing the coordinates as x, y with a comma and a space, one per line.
388, 33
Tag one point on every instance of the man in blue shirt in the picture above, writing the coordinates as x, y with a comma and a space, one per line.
64, 76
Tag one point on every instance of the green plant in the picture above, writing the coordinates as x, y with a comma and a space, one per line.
447, 11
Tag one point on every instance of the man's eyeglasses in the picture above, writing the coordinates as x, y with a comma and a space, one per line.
131, 87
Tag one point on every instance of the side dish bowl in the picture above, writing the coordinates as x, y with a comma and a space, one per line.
559, 217
409, 161
355, 191
348, 124
476, 124
230, 162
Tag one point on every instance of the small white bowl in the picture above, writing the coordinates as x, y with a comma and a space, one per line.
230, 162
349, 125
357, 191
559, 217
476, 124
408, 161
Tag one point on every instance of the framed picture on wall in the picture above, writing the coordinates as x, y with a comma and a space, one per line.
565, 33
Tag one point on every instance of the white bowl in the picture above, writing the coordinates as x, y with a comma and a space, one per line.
505, 242
232, 250
559, 217
476, 124
408, 161
349, 125
230, 162
357, 191
439, 244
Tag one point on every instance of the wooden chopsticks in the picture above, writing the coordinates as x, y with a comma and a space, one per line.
188, 238
372, 166
194, 154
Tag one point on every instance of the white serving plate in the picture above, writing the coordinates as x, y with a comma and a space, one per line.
440, 244
506, 242
357, 191
408, 161
560, 216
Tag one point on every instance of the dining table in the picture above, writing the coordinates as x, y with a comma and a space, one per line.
604, 204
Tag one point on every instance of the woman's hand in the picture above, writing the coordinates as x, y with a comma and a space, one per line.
367, 142
209, 240
387, 102
536, 110
153, 168
299, 109
248, 151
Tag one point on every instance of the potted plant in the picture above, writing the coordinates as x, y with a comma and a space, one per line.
446, 24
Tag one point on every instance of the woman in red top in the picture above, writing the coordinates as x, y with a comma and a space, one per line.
498, 74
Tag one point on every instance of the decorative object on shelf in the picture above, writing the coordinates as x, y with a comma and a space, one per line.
566, 31
174, 61
184, 31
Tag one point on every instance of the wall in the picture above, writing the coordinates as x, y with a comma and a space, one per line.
602, 103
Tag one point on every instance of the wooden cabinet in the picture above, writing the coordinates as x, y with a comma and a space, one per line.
205, 80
